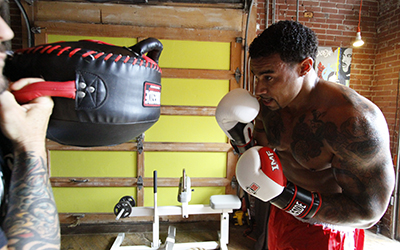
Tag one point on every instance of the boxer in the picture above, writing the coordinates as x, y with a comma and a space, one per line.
327, 169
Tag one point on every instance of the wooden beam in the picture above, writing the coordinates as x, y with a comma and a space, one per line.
188, 110
186, 147
149, 147
140, 173
208, 18
118, 30
198, 73
132, 182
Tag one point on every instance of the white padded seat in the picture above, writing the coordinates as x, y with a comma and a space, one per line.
225, 201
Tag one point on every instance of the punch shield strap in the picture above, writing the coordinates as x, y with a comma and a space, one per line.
298, 201
103, 94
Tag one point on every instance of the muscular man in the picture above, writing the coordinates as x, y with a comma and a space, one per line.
327, 170
31, 220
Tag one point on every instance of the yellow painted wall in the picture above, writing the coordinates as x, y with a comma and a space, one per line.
186, 92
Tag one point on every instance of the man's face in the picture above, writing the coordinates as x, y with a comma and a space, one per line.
346, 60
277, 82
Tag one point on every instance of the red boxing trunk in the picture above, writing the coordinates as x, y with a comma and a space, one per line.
285, 232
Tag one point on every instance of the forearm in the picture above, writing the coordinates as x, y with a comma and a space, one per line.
32, 218
338, 209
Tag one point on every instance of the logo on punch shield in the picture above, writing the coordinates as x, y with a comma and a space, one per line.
152, 95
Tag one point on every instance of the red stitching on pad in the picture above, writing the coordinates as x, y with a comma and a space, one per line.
37, 48
144, 60
99, 55
44, 49
118, 58
108, 56
74, 51
63, 50
89, 53
52, 49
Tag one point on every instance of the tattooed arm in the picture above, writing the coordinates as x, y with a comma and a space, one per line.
32, 218
363, 168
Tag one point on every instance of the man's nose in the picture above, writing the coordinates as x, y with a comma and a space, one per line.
260, 88
5, 31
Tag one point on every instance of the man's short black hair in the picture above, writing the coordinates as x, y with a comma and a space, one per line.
293, 41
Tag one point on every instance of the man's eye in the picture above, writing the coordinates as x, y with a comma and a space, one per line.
267, 78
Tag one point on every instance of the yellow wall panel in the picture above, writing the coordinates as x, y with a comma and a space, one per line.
168, 196
193, 92
196, 164
93, 164
185, 129
195, 55
120, 41
90, 200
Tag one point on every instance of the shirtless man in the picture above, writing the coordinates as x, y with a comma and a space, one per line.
332, 143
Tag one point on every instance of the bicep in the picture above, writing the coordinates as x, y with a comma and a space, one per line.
363, 168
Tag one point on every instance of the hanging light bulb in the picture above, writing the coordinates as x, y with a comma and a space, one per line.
358, 41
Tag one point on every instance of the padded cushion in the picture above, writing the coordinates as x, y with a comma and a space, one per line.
227, 201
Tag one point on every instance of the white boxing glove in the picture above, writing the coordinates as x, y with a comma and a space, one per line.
235, 114
259, 172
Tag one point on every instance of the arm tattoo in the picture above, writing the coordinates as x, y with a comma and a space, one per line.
32, 218
358, 166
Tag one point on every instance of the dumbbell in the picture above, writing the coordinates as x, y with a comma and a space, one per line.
124, 207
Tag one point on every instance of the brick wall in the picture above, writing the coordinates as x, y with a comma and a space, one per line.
375, 66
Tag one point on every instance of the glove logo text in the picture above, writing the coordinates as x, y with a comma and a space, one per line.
253, 188
271, 157
297, 209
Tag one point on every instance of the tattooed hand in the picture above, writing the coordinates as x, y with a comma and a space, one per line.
25, 125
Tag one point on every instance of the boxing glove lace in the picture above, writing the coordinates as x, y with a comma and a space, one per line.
235, 114
259, 172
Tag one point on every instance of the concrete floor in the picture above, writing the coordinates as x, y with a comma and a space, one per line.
92, 237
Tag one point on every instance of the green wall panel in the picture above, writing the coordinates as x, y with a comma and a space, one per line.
120, 41
93, 164
90, 199
193, 92
196, 164
195, 55
185, 129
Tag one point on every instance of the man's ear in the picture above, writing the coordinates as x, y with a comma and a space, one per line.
306, 65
